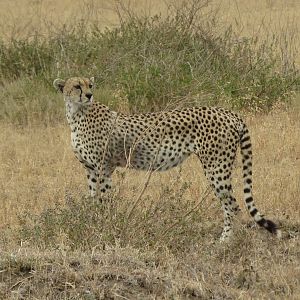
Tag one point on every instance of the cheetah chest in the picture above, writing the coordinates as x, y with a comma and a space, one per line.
81, 149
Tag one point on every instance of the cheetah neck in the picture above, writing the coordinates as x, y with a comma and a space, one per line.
74, 110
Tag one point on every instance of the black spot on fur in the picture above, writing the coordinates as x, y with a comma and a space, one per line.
249, 199
245, 139
246, 147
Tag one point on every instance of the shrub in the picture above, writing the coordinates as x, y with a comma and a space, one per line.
155, 61
171, 220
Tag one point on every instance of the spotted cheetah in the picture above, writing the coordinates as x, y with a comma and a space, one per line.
103, 139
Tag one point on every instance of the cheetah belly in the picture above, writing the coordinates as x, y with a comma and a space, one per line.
156, 159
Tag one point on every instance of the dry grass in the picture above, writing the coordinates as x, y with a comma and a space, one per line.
266, 18
38, 169
169, 256
19, 18
256, 270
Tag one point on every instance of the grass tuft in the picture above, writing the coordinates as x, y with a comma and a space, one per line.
82, 224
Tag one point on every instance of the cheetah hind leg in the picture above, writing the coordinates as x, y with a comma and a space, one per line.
230, 209
221, 184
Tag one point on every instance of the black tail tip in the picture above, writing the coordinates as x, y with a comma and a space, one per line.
270, 226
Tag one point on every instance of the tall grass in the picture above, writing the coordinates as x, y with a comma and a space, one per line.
153, 61
118, 222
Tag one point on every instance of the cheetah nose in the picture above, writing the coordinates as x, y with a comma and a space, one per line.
89, 96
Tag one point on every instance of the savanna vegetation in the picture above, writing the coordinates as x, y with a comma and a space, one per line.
156, 235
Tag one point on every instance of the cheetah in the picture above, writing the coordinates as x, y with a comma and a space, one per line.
103, 139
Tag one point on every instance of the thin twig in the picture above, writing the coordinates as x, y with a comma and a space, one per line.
206, 194
150, 172
21, 281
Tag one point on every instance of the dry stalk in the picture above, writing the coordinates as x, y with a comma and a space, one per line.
149, 172
194, 208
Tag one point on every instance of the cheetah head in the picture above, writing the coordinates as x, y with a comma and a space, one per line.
76, 90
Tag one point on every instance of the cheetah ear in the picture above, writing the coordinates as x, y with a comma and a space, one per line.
92, 79
59, 84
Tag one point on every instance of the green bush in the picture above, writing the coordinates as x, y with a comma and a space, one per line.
154, 61
26, 101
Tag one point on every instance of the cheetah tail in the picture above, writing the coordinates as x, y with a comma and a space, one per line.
246, 151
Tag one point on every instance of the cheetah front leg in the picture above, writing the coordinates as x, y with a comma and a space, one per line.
104, 179
99, 183
92, 177
105, 184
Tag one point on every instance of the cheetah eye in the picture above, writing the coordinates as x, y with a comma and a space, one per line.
77, 86
90, 85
